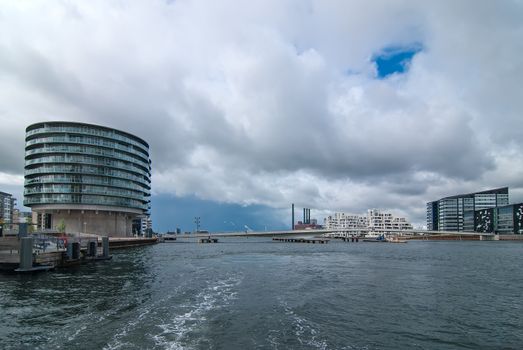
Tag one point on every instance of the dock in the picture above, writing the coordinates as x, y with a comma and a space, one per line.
302, 240
350, 239
208, 240
42, 252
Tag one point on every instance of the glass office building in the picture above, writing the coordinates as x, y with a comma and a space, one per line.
504, 220
96, 179
457, 213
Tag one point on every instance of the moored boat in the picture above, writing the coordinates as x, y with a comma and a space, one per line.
167, 239
396, 240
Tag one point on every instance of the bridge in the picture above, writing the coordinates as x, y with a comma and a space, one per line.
332, 232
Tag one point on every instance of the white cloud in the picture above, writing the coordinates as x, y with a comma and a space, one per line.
11, 180
273, 102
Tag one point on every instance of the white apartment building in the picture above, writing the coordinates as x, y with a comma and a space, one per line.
356, 224
142, 225
386, 221
348, 221
147, 224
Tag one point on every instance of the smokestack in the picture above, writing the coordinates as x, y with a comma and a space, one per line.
304, 215
292, 225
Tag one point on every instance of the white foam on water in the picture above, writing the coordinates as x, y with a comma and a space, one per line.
272, 337
304, 331
215, 296
117, 340
76, 333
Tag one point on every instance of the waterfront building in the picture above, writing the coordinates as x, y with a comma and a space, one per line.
307, 223
311, 225
378, 220
432, 216
93, 178
456, 213
7, 209
142, 225
374, 220
507, 219
346, 221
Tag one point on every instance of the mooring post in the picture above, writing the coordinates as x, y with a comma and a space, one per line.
92, 249
69, 251
26, 253
76, 250
105, 246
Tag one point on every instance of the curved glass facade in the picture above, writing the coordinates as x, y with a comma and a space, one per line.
77, 164
456, 213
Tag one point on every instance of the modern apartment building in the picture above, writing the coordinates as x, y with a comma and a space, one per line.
142, 225
345, 221
374, 220
93, 178
456, 213
378, 220
7, 208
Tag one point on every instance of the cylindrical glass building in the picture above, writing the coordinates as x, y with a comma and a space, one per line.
96, 179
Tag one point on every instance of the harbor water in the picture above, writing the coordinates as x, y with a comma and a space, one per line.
252, 293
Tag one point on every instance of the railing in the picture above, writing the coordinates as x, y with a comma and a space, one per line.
44, 243
88, 170
86, 180
69, 190
93, 201
76, 141
52, 241
140, 158
91, 161
113, 135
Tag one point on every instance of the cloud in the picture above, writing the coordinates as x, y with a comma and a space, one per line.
252, 104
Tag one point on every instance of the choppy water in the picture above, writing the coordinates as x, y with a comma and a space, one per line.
256, 294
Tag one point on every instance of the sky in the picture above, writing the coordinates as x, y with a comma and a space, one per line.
251, 106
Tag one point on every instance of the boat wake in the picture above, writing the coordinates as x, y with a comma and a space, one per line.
184, 330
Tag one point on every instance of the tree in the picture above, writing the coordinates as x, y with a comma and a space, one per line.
61, 226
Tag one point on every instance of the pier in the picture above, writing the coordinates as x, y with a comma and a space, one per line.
349, 239
208, 240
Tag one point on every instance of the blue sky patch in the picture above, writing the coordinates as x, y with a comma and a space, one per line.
170, 212
394, 59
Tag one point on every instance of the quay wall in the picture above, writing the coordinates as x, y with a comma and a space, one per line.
119, 243
444, 238
511, 238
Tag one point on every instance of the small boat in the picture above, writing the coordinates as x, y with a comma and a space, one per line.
168, 239
379, 239
396, 240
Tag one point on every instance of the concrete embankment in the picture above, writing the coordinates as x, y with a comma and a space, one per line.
444, 238
467, 237
127, 242
511, 238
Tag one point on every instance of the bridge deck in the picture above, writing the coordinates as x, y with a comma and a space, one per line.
317, 233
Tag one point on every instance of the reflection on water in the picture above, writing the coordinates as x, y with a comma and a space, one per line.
252, 293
